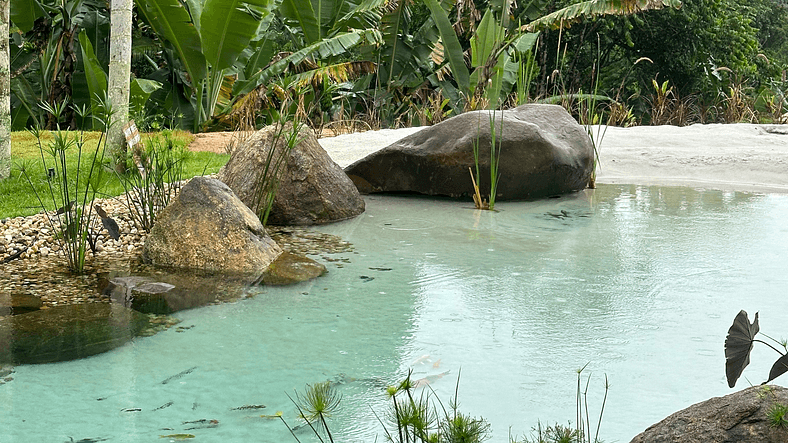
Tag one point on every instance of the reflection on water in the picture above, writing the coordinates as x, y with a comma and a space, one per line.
642, 282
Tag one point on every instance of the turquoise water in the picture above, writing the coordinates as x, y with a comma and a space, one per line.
641, 283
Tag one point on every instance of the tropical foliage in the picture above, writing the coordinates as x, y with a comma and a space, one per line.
393, 62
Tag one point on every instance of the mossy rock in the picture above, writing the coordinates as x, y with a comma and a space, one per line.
291, 268
67, 332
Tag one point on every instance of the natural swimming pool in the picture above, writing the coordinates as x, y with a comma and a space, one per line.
640, 282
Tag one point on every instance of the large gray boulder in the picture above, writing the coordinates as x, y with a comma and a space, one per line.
741, 417
544, 152
207, 227
67, 332
312, 188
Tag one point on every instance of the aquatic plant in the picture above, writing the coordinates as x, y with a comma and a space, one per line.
581, 433
411, 419
318, 402
738, 344
556, 433
71, 187
151, 178
417, 419
495, 160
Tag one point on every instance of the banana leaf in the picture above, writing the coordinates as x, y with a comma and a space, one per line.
232, 25
578, 12
301, 12
25, 12
172, 21
336, 45
95, 75
452, 48
140, 92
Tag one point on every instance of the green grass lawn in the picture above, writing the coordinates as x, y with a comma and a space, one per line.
17, 197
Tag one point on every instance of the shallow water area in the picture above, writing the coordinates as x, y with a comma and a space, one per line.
639, 282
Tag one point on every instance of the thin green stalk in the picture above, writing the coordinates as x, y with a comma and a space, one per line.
289, 429
301, 413
602, 410
495, 159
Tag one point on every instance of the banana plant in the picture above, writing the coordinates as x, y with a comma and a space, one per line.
207, 49
494, 49
327, 33
42, 60
139, 92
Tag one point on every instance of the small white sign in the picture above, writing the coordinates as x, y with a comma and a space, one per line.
131, 133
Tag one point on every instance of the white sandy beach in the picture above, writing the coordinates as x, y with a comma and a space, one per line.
741, 157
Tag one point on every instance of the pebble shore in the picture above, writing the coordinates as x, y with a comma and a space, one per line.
32, 261
39, 268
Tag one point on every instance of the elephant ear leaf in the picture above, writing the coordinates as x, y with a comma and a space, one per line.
780, 367
738, 345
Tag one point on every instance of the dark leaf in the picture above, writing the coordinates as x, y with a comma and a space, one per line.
112, 227
780, 367
738, 345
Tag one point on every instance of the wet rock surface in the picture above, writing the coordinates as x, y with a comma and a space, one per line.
543, 152
207, 227
741, 417
291, 268
165, 293
15, 304
67, 332
312, 189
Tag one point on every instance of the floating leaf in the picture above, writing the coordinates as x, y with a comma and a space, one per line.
738, 345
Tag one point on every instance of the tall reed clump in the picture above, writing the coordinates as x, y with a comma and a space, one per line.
285, 136
425, 419
72, 187
581, 432
496, 144
151, 178
411, 418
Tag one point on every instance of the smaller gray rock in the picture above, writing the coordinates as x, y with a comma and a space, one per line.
741, 417
290, 268
312, 188
171, 292
13, 304
207, 227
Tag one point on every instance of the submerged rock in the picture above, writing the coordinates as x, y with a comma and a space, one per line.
169, 293
741, 417
67, 332
312, 188
14, 304
543, 152
207, 227
291, 268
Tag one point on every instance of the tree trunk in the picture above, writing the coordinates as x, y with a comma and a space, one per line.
119, 74
5, 92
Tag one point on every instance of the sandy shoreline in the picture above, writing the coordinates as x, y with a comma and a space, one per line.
740, 157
